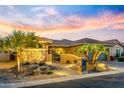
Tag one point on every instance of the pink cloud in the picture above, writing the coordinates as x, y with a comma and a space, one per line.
51, 11
89, 23
118, 26
74, 22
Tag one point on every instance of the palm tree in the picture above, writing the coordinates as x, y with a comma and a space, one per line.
95, 49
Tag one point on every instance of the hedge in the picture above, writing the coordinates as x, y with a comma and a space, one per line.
121, 59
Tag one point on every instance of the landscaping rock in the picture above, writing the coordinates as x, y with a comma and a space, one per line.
34, 66
27, 69
44, 68
43, 64
37, 71
41, 70
52, 68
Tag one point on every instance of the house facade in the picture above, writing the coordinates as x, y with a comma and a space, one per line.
114, 47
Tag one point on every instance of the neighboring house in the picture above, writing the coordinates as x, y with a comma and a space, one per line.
117, 47
114, 47
123, 44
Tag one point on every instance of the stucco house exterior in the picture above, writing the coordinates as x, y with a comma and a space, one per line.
114, 47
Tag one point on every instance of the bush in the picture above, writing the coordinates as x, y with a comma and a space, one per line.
50, 72
122, 54
42, 64
121, 59
27, 63
117, 56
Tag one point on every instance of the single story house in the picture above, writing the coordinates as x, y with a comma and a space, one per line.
114, 47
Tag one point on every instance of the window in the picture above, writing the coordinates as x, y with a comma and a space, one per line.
117, 51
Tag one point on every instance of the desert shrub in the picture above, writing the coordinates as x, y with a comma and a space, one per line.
42, 64
50, 72
94, 68
121, 59
117, 56
122, 54
27, 63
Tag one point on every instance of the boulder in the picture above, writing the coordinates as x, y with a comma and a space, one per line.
34, 66
41, 70
52, 68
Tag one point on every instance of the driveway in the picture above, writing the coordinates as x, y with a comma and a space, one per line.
116, 64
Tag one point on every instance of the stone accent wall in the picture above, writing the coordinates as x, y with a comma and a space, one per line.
32, 55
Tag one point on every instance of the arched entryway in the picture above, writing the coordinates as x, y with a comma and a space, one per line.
56, 54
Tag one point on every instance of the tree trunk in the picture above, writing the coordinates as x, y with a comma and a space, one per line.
18, 63
94, 57
98, 55
18, 67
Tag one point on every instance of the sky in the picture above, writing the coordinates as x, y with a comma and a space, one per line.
65, 21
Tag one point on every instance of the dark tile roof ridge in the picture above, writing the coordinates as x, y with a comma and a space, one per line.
80, 44
72, 43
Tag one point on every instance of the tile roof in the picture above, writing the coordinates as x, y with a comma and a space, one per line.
68, 43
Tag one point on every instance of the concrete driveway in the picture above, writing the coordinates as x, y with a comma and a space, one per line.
115, 64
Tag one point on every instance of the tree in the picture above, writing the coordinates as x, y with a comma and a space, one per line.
18, 40
95, 49
5, 44
31, 40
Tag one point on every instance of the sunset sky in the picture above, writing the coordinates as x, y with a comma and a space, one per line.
65, 22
